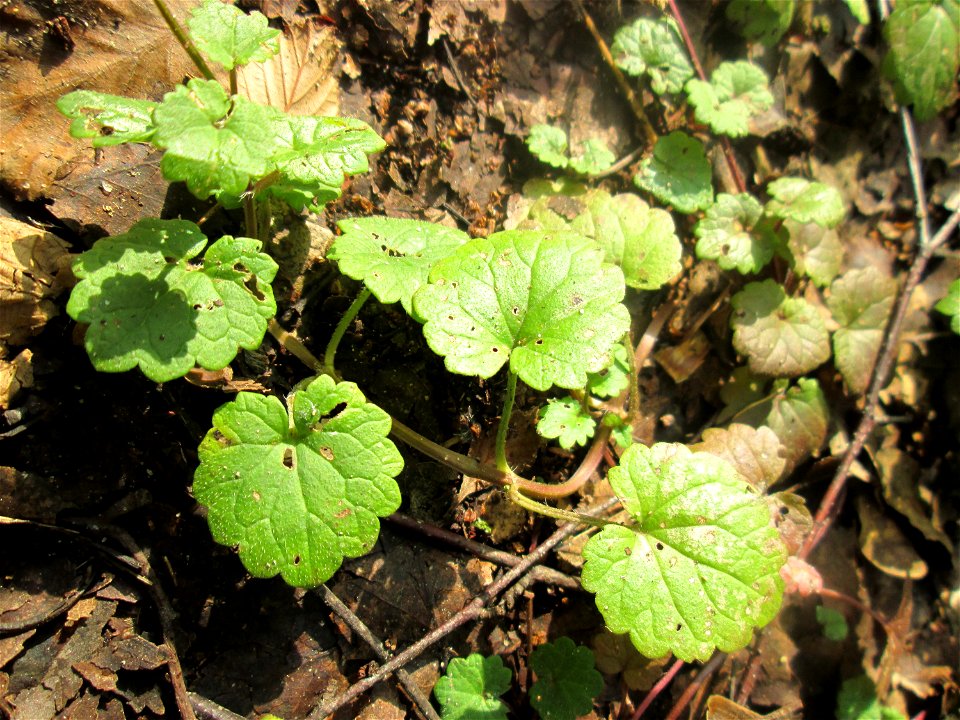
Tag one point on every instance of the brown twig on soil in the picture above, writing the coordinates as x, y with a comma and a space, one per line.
724, 141
702, 678
658, 688
829, 506
207, 709
165, 612
539, 573
648, 132
421, 701
457, 74
468, 613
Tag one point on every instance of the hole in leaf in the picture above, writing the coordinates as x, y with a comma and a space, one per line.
327, 453
256, 496
296, 559
539, 341
493, 349
628, 551
288, 457
659, 546
251, 284
679, 627
334, 411
516, 310
169, 259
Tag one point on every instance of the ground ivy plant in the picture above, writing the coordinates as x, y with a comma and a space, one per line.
298, 484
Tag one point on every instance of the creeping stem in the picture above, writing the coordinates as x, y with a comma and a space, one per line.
340, 330
185, 42
509, 396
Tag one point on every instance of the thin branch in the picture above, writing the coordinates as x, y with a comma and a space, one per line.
540, 573
357, 625
207, 709
468, 613
702, 677
658, 688
648, 132
185, 42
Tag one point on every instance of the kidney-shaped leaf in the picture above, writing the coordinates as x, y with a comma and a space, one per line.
565, 420
699, 570
805, 201
392, 256
297, 497
545, 301
472, 687
108, 119
736, 92
147, 304
678, 174
230, 36
653, 47
567, 681
734, 234
779, 335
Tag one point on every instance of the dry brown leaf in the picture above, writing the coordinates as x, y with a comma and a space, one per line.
899, 476
300, 79
15, 375
683, 360
31, 262
120, 47
615, 655
756, 453
885, 545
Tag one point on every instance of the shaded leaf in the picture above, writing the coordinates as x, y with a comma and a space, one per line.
736, 92
924, 57
392, 256
834, 623
564, 419
699, 570
297, 489
678, 174
654, 48
884, 544
861, 301
763, 20
614, 378
147, 304
805, 201
755, 453
544, 301
779, 335
472, 687
858, 701
231, 37
549, 144
735, 235
814, 251
594, 157
566, 682
615, 654
108, 119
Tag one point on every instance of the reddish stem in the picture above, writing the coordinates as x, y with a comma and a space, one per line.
657, 689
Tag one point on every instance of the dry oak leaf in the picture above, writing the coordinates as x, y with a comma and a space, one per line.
31, 261
121, 47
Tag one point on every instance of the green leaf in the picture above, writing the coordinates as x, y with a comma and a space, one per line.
545, 301
567, 681
798, 414
612, 379
763, 20
860, 10
214, 143
653, 47
641, 240
313, 156
108, 119
392, 256
566, 420
950, 305
805, 201
755, 453
861, 301
736, 92
231, 37
297, 489
621, 431
924, 57
147, 304
779, 335
858, 701
813, 250
472, 687
699, 569
735, 235
549, 144
834, 623
678, 174
595, 157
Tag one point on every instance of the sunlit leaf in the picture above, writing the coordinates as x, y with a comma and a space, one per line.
565, 420
735, 234
805, 201
736, 92
950, 305
472, 687
549, 144
763, 20
231, 37
108, 119
654, 48
678, 174
594, 157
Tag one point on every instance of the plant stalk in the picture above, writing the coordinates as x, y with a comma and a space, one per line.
185, 42
551, 512
340, 330
501, 445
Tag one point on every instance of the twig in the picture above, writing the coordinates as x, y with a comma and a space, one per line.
702, 677
185, 42
207, 709
460, 81
648, 132
357, 625
724, 141
539, 573
468, 613
658, 688
829, 506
